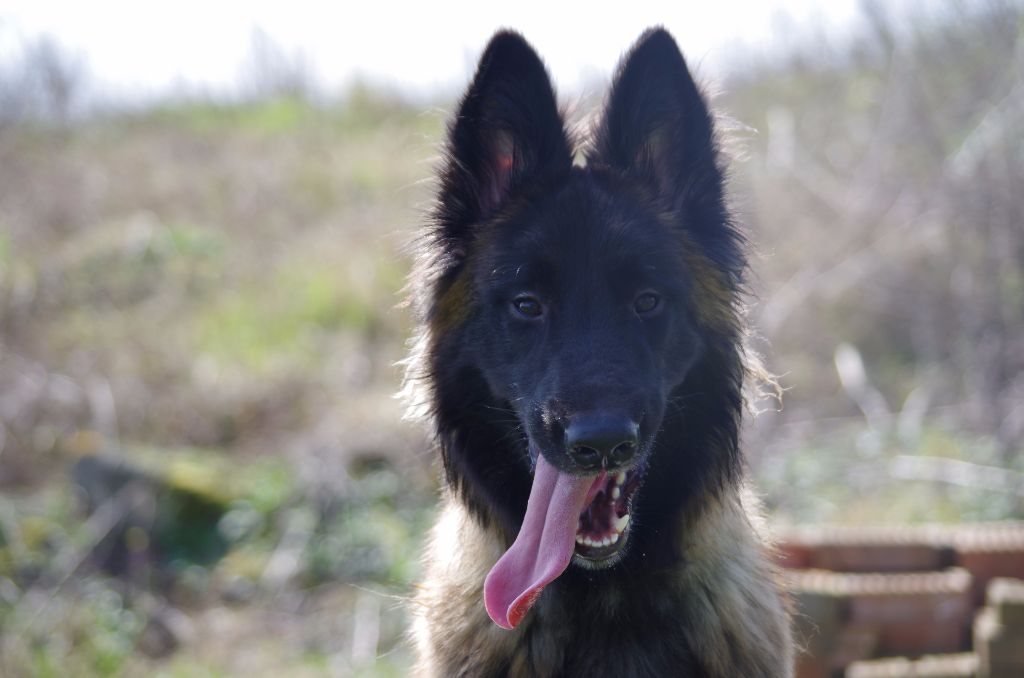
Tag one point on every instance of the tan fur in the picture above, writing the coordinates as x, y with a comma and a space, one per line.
451, 629
730, 608
742, 627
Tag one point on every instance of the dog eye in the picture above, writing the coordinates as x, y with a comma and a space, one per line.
647, 303
528, 307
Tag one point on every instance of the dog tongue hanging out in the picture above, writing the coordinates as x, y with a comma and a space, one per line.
544, 546
580, 359
564, 514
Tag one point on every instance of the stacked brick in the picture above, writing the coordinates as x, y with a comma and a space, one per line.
851, 616
999, 631
989, 551
910, 594
962, 665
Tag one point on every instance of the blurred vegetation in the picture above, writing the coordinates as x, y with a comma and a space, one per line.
202, 467
885, 180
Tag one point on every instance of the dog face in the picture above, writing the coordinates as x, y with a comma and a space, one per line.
584, 328
574, 308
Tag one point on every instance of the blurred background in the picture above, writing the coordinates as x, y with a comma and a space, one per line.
204, 228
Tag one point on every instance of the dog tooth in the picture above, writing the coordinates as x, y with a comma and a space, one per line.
620, 477
606, 541
616, 492
580, 539
614, 537
620, 523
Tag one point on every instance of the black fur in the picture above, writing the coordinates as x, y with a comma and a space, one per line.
647, 212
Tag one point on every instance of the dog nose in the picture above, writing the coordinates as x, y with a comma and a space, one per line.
596, 442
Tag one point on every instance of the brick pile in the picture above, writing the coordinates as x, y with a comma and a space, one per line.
908, 600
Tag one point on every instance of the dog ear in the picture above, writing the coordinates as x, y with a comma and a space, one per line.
507, 132
657, 128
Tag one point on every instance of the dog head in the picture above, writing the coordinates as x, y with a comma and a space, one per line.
569, 307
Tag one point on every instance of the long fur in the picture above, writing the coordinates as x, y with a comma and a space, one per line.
694, 594
719, 614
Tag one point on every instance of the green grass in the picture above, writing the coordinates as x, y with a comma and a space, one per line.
287, 315
362, 110
275, 117
846, 477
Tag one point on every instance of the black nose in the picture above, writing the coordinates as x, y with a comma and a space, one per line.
597, 441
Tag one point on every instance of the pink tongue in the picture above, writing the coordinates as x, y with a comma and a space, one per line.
544, 546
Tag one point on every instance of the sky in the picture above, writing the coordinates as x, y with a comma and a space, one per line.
141, 48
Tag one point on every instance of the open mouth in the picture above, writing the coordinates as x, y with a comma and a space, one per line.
582, 519
604, 524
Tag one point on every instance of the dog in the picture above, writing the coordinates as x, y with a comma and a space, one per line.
580, 357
